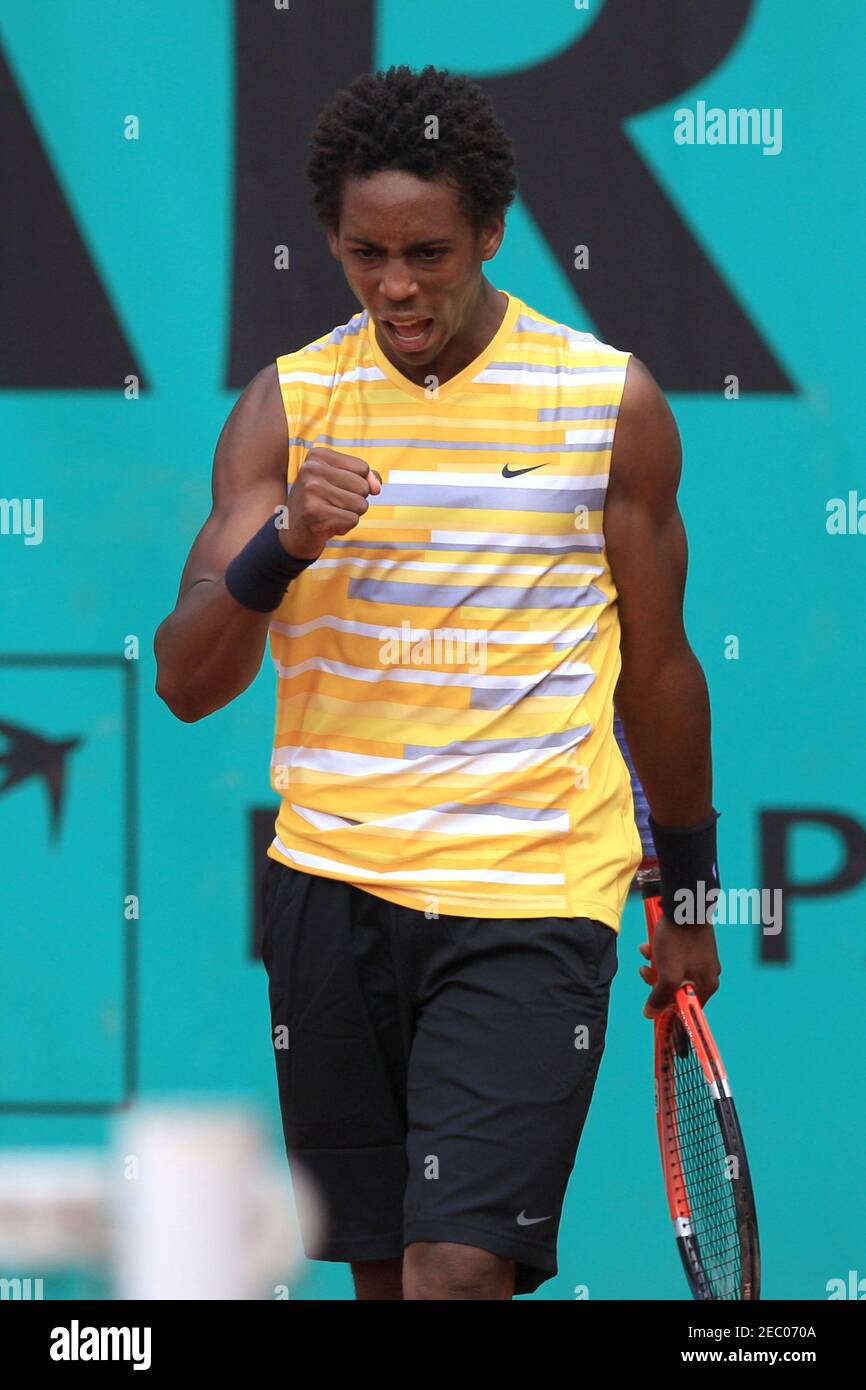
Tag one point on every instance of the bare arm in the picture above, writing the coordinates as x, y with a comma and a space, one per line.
662, 695
209, 649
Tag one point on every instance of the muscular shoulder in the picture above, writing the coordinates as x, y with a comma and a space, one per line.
257, 417
254, 439
646, 450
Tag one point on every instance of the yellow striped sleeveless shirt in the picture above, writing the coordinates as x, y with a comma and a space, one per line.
445, 671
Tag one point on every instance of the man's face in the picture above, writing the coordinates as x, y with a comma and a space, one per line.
412, 259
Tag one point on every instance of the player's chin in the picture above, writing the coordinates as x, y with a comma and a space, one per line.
418, 359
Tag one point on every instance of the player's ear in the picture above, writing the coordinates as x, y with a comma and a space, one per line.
490, 238
333, 235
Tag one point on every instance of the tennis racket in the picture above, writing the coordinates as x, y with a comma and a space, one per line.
709, 1188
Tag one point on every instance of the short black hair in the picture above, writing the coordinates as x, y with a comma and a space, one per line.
380, 122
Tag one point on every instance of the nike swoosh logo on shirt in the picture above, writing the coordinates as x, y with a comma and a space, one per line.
515, 473
523, 1219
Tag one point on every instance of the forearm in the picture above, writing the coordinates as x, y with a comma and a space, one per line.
666, 717
208, 651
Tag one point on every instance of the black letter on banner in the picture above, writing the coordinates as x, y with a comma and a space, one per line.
649, 287
60, 330
775, 871
289, 64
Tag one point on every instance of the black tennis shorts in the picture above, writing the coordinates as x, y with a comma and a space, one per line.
434, 1074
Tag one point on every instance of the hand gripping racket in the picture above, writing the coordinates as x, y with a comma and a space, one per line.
709, 1188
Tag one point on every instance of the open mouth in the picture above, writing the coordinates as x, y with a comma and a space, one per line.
411, 335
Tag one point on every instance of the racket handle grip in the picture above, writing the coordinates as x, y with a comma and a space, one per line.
650, 886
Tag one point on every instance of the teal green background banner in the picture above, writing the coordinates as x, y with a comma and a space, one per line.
93, 1005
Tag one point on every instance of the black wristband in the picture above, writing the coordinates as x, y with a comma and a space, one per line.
259, 574
688, 868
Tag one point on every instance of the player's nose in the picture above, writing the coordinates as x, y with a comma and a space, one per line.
396, 286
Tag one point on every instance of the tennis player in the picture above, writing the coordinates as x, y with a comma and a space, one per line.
456, 520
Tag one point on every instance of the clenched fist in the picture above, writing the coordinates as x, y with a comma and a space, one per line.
328, 498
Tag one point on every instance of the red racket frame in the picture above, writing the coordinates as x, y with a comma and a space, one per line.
687, 1009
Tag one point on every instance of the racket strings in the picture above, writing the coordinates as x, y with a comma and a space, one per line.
704, 1164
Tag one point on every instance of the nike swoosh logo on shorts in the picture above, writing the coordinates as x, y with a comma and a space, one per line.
524, 1220
515, 473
